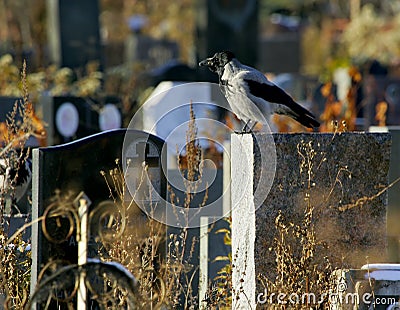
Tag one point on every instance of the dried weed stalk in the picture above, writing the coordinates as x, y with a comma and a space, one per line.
139, 246
180, 271
219, 293
15, 260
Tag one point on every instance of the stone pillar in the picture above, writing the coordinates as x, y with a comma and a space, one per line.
243, 223
342, 176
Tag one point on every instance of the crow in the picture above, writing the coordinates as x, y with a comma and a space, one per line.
252, 97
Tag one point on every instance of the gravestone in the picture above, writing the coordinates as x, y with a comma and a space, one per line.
150, 52
344, 177
7, 105
278, 47
228, 25
74, 169
377, 89
211, 255
74, 32
166, 112
70, 118
14, 222
393, 209
393, 215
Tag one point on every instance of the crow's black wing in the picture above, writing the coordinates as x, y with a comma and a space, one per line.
274, 94
270, 92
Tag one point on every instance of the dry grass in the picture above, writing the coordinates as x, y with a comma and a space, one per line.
300, 264
219, 293
15, 257
165, 275
139, 247
310, 240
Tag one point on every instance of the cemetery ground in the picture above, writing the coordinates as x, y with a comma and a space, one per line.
328, 215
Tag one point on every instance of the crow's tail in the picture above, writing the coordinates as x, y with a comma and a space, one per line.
307, 120
300, 114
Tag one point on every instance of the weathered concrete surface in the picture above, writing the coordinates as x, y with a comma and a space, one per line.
243, 234
343, 175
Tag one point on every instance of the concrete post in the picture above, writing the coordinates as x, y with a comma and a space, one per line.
342, 176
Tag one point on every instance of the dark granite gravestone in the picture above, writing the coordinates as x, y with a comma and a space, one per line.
210, 262
15, 222
151, 52
70, 118
73, 31
7, 105
280, 53
228, 25
74, 168
377, 89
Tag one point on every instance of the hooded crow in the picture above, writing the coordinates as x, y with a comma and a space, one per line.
252, 97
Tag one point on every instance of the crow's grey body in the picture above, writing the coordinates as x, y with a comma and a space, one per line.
252, 97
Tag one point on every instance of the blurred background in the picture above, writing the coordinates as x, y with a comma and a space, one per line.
339, 58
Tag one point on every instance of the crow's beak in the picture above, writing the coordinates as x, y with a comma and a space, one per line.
205, 62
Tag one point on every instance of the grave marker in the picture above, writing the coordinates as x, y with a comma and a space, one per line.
228, 25
7, 105
348, 174
70, 118
74, 168
73, 31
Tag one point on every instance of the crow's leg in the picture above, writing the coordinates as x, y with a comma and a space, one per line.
246, 128
254, 125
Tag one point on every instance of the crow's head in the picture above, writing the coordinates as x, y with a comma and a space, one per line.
218, 61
